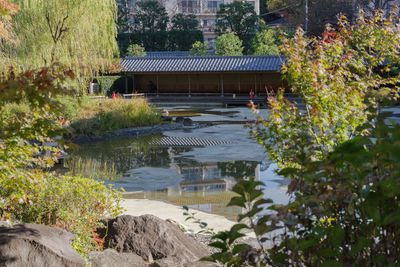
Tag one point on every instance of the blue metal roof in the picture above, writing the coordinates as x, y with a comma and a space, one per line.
202, 64
172, 53
168, 54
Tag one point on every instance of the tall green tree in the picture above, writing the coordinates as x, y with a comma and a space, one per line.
124, 17
184, 22
184, 32
320, 12
79, 34
150, 16
228, 44
150, 27
237, 17
265, 43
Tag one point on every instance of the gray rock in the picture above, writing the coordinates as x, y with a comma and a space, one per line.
166, 118
167, 262
202, 264
173, 262
111, 258
37, 245
179, 119
187, 122
152, 239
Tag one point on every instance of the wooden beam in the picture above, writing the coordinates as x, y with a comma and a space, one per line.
222, 85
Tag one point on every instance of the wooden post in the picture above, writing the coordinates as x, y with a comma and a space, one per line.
126, 83
255, 84
157, 85
190, 86
133, 84
176, 83
222, 85
239, 83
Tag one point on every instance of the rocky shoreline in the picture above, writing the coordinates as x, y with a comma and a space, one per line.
138, 131
129, 241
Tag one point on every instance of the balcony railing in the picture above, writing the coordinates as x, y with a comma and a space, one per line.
207, 28
211, 10
191, 10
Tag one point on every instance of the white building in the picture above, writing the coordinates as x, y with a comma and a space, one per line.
204, 10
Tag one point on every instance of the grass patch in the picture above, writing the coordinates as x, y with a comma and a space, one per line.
92, 117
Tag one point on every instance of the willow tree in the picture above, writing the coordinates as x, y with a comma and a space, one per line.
80, 34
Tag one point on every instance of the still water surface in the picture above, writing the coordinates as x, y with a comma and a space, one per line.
197, 176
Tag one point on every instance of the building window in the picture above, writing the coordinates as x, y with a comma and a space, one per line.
253, 3
131, 4
189, 6
213, 6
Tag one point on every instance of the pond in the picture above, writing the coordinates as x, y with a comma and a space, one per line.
193, 167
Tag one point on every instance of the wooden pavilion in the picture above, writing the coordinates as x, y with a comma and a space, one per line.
203, 75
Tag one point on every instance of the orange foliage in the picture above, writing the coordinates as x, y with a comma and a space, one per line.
6, 10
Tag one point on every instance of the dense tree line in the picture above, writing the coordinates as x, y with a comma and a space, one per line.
151, 28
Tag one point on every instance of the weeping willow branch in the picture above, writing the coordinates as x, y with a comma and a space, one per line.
80, 34
57, 33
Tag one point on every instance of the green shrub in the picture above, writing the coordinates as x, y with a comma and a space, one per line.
199, 49
110, 84
75, 204
28, 192
135, 50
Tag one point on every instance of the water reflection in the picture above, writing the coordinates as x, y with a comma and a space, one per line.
157, 172
131, 163
198, 176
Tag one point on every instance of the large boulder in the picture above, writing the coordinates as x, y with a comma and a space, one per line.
111, 258
37, 245
152, 239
